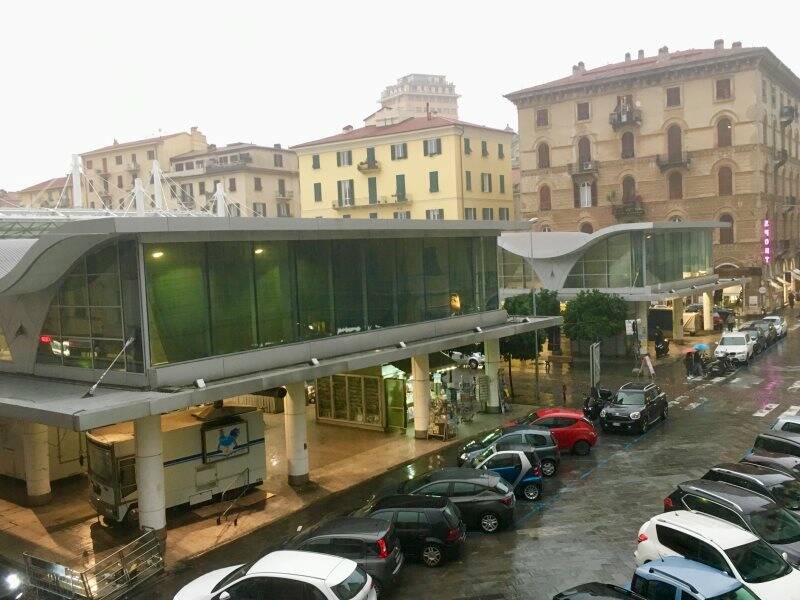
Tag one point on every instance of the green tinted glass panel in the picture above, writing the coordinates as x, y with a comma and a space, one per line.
437, 278
73, 291
462, 276
313, 289
231, 296
410, 282
102, 261
348, 296
274, 286
379, 258
104, 289
489, 267
131, 306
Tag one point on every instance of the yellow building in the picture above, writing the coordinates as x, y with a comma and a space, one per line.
420, 168
257, 180
53, 193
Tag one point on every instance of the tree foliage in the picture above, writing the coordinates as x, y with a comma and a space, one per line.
522, 346
593, 315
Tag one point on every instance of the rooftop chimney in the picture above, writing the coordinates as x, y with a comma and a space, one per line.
193, 129
575, 69
627, 57
663, 52
581, 67
640, 56
278, 146
719, 44
347, 128
736, 45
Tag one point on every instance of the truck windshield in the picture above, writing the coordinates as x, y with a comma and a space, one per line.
100, 464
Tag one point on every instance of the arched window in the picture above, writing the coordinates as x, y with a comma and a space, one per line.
587, 228
546, 228
584, 150
724, 133
726, 233
628, 150
675, 183
628, 188
585, 194
725, 181
543, 156
544, 197
674, 143
676, 219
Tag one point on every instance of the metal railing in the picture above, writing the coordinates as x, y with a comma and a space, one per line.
223, 515
107, 579
625, 116
675, 159
586, 166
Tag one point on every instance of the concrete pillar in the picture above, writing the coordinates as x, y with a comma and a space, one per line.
421, 390
708, 318
642, 308
491, 349
37, 463
295, 427
150, 474
677, 319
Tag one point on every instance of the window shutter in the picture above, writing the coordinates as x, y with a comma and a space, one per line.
425, 147
438, 145
394, 154
349, 157
594, 193
372, 184
352, 190
339, 191
338, 159
489, 180
405, 150
576, 195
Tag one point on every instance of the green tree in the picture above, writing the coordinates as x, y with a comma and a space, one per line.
593, 315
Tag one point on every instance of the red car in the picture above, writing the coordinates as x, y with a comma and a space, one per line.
569, 427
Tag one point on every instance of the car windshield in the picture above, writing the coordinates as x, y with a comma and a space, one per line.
788, 494
451, 514
237, 573
489, 438
485, 453
757, 562
741, 594
776, 526
763, 326
733, 340
352, 585
629, 398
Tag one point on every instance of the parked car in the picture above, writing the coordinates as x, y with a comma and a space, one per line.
736, 346
284, 574
12, 583
780, 324
774, 460
787, 423
636, 406
473, 360
720, 545
771, 483
783, 442
540, 438
428, 527
518, 465
370, 543
719, 314
768, 329
571, 430
774, 524
484, 499
758, 337
675, 577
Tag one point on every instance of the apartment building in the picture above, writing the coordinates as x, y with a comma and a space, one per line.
416, 95
257, 180
421, 168
700, 135
110, 171
52, 193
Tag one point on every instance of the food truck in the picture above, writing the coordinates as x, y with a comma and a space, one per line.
206, 451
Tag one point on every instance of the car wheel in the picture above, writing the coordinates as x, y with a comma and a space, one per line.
644, 426
548, 467
432, 555
473, 364
665, 412
581, 448
378, 587
489, 522
531, 492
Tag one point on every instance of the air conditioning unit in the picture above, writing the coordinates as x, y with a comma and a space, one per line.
587, 166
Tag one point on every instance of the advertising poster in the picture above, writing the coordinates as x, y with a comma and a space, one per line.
221, 442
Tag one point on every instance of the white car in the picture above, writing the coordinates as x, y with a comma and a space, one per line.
473, 360
284, 575
781, 327
737, 346
721, 545
790, 423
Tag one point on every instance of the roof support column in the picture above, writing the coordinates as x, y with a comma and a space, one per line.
77, 195
295, 428
708, 318
150, 475
677, 319
491, 349
37, 463
642, 309
421, 390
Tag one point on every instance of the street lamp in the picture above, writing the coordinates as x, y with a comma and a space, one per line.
533, 302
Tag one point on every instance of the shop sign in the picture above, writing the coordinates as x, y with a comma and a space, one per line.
766, 237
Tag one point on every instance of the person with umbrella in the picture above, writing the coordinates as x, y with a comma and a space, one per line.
698, 358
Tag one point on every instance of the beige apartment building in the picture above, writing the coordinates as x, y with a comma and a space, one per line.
52, 193
257, 180
709, 134
416, 95
420, 168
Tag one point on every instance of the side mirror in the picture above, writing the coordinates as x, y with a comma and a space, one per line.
299, 529
224, 596
785, 556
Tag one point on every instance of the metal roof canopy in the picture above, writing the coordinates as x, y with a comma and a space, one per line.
659, 294
61, 403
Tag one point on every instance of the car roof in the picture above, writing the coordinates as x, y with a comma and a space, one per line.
772, 318
297, 562
347, 525
724, 534
782, 435
781, 461
410, 501
460, 474
706, 580
636, 385
559, 412
765, 475
526, 449
735, 497
531, 428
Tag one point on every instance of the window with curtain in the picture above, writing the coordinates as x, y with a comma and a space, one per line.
627, 145
724, 133
725, 181
628, 188
543, 156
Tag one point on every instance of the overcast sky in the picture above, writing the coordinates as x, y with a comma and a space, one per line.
76, 75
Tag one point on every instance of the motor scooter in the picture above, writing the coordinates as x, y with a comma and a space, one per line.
719, 367
662, 348
595, 401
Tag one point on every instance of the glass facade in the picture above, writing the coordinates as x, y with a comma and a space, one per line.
515, 272
207, 299
676, 255
95, 309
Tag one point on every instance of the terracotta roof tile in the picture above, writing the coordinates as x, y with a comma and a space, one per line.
51, 184
152, 140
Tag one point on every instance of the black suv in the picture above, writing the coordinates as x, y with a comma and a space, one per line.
371, 543
484, 499
772, 523
782, 442
636, 406
776, 485
429, 527
774, 460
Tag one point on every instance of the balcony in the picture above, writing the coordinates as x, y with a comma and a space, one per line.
216, 167
789, 204
673, 161
629, 212
369, 166
788, 114
623, 116
132, 167
365, 203
586, 167
284, 195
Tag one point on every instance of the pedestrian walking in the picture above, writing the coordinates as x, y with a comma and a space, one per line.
730, 322
688, 363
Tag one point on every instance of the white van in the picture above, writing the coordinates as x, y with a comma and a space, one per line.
737, 346
206, 451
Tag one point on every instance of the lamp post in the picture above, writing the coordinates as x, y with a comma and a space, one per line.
533, 302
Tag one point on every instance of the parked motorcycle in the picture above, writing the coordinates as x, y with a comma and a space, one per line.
662, 348
595, 401
720, 367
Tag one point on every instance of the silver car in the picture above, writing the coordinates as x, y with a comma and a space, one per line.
781, 327
790, 423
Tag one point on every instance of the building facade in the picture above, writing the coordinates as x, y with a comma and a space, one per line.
258, 181
704, 135
416, 95
420, 168
53, 193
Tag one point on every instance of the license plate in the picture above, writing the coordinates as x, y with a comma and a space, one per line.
616, 424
